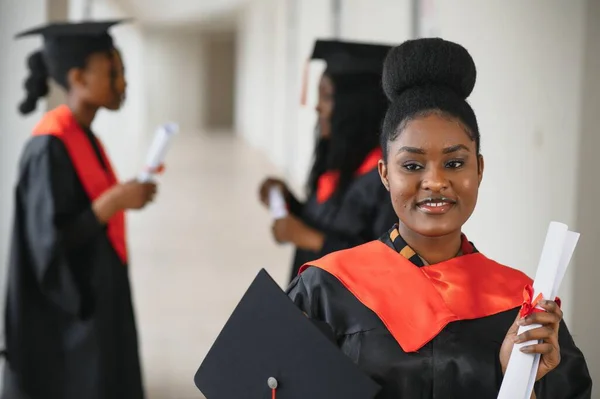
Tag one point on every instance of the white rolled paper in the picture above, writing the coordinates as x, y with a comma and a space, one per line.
522, 368
277, 204
158, 150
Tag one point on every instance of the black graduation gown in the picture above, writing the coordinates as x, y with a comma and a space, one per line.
363, 214
462, 361
69, 320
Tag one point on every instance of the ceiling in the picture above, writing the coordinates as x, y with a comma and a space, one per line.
182, 12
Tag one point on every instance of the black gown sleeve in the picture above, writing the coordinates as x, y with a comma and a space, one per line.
56, 224
300, 295
322, 297
373, 220
296, 207
571, 379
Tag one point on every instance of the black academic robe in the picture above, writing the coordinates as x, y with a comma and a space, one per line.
69, 320
462, 361
362, 214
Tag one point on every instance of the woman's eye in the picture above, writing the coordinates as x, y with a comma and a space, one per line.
454, 164
412, 167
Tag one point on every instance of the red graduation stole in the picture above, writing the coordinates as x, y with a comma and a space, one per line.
327, 182
61, 123
416, 303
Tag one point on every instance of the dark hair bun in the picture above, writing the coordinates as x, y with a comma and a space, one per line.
36, 84
430, 62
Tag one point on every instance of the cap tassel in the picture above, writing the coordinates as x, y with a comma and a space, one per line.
304, 88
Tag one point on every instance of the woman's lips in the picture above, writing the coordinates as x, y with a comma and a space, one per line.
436, 206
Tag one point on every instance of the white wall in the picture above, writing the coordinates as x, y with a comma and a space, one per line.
15, 16
386, 21
58, 10
254, 62
283, 75
174, 81
586, 273
219, 71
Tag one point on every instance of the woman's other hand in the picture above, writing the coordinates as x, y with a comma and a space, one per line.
547, 335
291, 229
266, 186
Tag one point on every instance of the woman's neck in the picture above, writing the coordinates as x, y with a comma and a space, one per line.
84, 114
432, 249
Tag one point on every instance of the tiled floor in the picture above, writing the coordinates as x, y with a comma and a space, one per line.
194, 252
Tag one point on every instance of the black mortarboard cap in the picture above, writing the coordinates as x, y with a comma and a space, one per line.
88, 29
351, 57
344, 57
269, 343
74, 37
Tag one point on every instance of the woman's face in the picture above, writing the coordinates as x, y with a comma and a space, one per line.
433, 173
102, 82
325, 105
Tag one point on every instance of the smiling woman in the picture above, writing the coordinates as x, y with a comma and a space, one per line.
421, 311
431, 177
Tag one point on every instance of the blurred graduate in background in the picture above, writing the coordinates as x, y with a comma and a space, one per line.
70, 326
346, 203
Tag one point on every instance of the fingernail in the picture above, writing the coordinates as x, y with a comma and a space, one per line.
516, 339
525, 349
521, 322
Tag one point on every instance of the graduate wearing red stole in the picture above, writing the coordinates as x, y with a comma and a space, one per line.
69, 321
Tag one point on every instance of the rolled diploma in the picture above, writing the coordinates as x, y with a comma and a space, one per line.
571, 240
277, 205
158, 150
558, 249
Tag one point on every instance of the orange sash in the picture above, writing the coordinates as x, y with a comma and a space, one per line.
327, 182
416, 303
61, 123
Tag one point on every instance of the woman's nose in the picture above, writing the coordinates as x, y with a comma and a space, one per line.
434, 180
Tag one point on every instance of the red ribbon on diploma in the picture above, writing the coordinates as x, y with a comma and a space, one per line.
159, 170
530, 303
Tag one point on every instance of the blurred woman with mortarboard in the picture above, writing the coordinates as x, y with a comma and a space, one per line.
346, 203
70, 325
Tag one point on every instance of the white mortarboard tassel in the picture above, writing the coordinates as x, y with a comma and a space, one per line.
559, 246
272, 382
